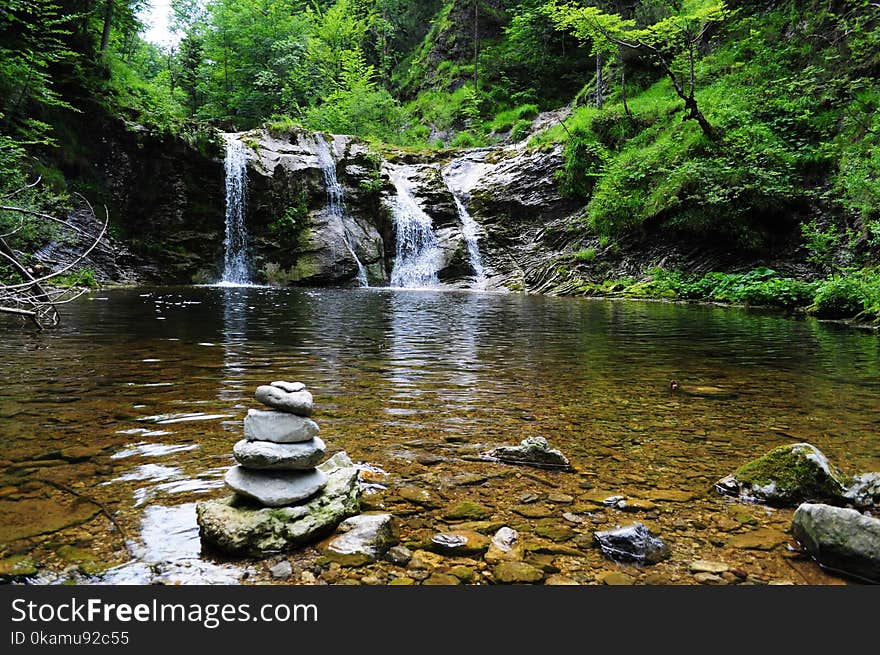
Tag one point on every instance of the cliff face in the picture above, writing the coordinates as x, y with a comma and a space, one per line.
165, 198
168, 200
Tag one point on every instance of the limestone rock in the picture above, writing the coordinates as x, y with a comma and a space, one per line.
298, 402
505, 546
786, 476
278, 427
277, 488
632, 543
265, 455
840, 538
237, 528
365, 538
460, 542
532, 451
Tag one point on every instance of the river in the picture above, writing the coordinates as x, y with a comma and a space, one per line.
130, 409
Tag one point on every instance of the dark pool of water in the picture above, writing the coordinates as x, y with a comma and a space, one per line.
137, 399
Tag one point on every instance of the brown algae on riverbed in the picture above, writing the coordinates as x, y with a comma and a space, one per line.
134, 417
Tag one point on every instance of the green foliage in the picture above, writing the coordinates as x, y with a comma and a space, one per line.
758, 287
820, 242
849, 295
586, 255
286, 228
84, 277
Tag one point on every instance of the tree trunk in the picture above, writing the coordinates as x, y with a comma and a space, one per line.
476, 45
108, 22
626, 108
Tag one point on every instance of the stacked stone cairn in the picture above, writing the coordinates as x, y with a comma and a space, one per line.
284, 496
280, 450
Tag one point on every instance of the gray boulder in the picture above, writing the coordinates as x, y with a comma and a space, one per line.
265, 455
786, 476
278, 427
632, 543
864, 490
298, 402
533, 451
364, 539
239, 528
839, 538
276, 488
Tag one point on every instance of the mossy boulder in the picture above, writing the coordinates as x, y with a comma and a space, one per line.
786, 476
240, 528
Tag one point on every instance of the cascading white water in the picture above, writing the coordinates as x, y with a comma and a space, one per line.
470, 231
336, 200
460, 177
236, 264
417, 255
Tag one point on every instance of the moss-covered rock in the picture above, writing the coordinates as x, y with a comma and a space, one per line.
246, 529
786, 476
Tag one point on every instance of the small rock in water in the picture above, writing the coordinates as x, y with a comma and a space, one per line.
505, 546
282, 570
419, 496
468, 510
275, 489
532, 451
706, 566
265, 455
364, 539
517, 573
399, 555
632, 543
289, 387
762, 539
298, 402
839, 538
461, 542
278, 427
616, 578
444, 579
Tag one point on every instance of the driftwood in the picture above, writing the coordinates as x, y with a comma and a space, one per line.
34, 298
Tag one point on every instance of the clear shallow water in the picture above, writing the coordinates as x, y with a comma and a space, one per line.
137, 399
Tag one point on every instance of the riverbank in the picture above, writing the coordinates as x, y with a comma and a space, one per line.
851, 297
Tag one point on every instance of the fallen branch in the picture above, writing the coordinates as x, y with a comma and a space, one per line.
94, 501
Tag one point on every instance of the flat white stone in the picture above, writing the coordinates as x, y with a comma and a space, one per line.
268, 456
289, 387
275, 489
279, 427
299, 402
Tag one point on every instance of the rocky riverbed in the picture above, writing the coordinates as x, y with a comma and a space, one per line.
144, 394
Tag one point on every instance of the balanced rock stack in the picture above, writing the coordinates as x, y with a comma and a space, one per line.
281, 448
284, 496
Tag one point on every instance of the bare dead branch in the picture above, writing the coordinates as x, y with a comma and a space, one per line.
24, 188
71, 264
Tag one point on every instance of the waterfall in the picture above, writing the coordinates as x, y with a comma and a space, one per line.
336, 200
236, 265
469, 230
460, 176
417, 255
